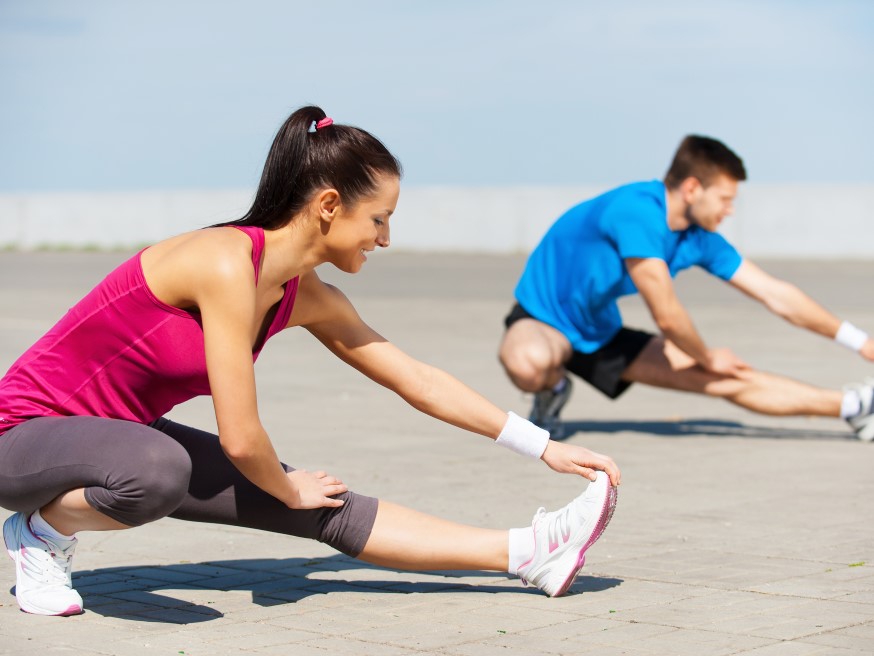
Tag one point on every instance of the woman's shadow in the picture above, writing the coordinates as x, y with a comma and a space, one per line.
189, 593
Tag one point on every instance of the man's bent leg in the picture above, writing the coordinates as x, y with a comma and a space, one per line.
533, 355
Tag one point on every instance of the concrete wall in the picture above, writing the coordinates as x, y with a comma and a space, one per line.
810, 221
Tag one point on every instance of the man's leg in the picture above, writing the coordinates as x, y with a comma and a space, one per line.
533, 355
663, 364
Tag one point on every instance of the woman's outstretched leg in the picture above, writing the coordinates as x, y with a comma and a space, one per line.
403, 538
549, 553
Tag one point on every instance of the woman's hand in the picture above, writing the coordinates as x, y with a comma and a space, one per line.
315, 489
573, 459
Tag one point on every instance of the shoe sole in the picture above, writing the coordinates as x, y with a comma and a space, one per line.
8, 536
865, 429
603, 519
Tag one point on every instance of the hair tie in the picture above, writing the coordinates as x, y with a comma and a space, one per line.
325, 122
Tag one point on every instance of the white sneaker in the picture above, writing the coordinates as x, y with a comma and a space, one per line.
43, 582
562, 537
863, 423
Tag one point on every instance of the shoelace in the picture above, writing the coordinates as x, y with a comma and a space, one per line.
52, 563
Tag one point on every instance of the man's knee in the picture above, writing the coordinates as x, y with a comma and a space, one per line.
527, 365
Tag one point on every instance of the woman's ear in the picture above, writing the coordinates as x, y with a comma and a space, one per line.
328, 202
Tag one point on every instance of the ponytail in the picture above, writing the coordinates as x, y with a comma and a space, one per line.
311, 152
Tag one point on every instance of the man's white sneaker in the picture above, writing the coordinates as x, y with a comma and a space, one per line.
562, 537
863, 423
43, 583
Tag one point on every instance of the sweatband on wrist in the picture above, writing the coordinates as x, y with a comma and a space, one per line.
523, 437
851, 337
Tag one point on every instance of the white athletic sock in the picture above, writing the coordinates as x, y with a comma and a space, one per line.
42, 528
521, 547
851, 404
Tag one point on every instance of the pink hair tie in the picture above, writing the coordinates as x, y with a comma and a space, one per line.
325, 122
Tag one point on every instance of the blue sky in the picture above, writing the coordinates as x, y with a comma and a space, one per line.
187, 94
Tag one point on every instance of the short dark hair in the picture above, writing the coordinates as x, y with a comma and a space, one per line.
703, 158
303, 159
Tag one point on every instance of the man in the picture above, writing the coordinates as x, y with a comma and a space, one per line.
635, 239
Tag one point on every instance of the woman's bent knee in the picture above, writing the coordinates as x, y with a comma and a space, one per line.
348, 527
152, 490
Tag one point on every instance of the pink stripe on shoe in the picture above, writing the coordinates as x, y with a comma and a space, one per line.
603, 519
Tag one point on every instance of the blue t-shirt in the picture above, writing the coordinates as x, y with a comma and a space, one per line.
576, 274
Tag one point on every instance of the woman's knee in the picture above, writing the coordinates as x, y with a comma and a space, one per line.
348, 527
153, 488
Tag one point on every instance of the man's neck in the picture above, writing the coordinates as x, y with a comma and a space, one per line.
676, 210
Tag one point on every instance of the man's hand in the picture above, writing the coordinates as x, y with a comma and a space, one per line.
572, 459
867, 350
725, 363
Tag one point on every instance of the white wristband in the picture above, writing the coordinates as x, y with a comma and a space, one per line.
851, 337
523, 437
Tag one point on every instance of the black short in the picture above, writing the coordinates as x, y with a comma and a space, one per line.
602, 369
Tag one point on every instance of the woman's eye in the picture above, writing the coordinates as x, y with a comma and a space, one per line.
378, 222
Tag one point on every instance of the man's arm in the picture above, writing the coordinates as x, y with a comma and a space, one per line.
653, 280
787, 301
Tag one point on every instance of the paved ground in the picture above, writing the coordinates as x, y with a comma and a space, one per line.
734, 533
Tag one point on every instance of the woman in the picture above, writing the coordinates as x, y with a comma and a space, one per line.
83, 445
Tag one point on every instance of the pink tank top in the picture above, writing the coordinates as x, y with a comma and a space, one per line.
120, 353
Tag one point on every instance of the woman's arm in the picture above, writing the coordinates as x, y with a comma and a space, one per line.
222, 286
431, 390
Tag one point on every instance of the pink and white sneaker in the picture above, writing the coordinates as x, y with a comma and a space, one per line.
43, 581
562, 537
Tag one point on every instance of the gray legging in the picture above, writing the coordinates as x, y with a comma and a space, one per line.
136, 474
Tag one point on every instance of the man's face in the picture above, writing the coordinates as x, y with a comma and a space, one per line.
709, 205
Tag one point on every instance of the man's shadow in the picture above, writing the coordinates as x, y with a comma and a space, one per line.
138, 592
702, 427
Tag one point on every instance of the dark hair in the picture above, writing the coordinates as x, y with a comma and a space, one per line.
703, 158
303, 159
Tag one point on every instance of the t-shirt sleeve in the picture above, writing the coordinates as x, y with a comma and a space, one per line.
718, 257
637, 229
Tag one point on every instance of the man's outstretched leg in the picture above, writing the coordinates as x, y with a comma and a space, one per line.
662, 364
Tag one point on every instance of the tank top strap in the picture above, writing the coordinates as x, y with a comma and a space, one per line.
256, 234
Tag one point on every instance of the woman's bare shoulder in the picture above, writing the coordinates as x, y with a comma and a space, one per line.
177, 267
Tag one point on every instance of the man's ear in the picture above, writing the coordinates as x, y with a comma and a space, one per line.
689, 189
328, 203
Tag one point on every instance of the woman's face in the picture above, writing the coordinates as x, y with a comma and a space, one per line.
360, 228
